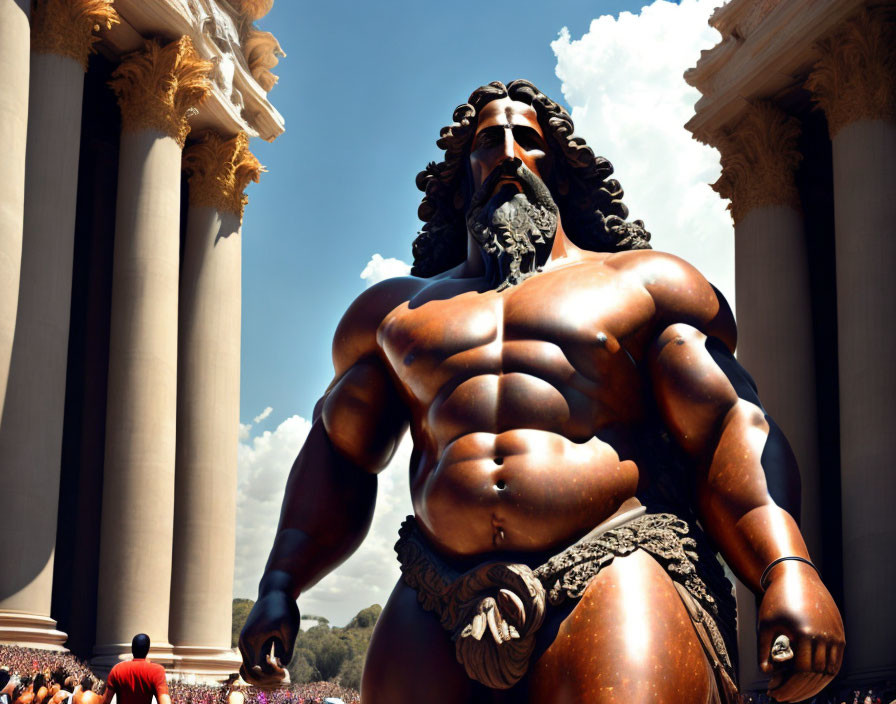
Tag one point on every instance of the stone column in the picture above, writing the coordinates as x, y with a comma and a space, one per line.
62, 32
15, 61
855, 84
208, 407
157, 87
774, 313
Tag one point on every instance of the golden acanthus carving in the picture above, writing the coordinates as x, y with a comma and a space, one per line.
855, 78
263, 52
759, 159
220, 168
158, 86
252, 9
68, 27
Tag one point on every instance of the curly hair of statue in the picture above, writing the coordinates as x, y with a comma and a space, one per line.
591, 208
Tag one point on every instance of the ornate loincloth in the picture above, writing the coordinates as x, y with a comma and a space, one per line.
494, 610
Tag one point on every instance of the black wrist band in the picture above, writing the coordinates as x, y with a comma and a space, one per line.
775, 562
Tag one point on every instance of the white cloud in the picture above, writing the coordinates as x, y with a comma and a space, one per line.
365, 578
369, 575
264, 414
378, 269
623, 80
264, 463
245, 429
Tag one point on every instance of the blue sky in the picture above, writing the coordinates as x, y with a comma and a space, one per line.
365, 89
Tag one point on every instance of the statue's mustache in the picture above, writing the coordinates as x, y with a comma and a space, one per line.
533, 187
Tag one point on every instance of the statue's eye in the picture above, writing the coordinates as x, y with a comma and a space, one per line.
489, 137
527, 138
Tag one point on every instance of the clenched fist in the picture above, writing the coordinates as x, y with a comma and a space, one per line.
797, 605
267, 640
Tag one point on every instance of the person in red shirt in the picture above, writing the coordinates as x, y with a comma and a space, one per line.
136, 681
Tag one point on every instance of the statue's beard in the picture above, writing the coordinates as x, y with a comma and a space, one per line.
513, 229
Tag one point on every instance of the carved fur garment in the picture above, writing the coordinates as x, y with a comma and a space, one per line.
494, 610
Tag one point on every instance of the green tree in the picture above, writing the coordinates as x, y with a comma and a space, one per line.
366, 618
240, 610
301, 667
331, 653
350, 674
335, 654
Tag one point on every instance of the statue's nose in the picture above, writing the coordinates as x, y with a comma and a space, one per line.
509, 145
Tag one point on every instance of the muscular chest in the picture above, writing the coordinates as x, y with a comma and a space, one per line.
575, 334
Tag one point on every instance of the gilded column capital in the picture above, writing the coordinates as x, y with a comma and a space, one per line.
856, 77
220, 168
759, 159
160, 86
68, 27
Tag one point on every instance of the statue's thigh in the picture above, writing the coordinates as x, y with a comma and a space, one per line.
411, 657
629, 640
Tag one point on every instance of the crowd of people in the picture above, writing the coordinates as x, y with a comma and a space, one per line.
842, 696
30, 676
310, 693
28, 662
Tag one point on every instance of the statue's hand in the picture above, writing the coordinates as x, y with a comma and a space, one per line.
272, 623
797, 605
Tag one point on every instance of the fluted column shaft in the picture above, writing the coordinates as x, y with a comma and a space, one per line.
774, 313
208, 406
156, 87
31, 432
855, 84
14, 67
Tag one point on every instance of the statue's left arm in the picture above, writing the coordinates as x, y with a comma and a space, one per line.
710, 407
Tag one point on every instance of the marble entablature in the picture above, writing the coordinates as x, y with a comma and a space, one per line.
222, 32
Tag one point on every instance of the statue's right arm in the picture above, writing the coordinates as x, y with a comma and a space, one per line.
330, 494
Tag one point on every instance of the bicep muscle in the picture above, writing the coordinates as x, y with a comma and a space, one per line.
364, 416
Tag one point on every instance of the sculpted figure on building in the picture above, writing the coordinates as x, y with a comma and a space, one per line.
576, 409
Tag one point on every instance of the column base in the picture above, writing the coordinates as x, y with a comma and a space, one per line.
105, 657
31, 631
201, 665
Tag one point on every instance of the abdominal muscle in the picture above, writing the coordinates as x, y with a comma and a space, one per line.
519, 490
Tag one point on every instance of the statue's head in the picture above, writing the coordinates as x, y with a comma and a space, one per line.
513, 168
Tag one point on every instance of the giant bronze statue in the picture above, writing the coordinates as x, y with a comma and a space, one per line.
584, 444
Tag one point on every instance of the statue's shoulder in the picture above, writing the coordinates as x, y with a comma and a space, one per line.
356, 334
681, 294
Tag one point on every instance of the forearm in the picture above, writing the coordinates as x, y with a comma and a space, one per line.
734, 502
327, 510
